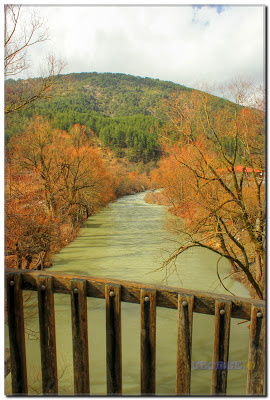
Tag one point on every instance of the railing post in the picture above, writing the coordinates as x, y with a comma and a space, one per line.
113, 338
80, 336
7, 362
184, 342
16, 333
148, 341
255, 377
47, 334
223, 311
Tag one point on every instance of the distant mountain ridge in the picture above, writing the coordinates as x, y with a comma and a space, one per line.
135, 94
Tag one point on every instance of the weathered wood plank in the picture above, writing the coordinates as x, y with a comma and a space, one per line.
47, 334
16, 333
221, 346
184, 343
113, 339
80, 336
7, 362
148, 341
204, 302
256, 357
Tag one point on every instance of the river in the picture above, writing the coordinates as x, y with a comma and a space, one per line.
128, 240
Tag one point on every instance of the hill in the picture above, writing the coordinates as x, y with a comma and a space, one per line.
123, 111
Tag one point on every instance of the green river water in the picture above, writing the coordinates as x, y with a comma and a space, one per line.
129, 240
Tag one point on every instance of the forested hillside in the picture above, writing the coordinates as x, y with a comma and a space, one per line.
124, 111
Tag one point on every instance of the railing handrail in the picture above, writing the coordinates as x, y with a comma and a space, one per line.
114, 291
166, 296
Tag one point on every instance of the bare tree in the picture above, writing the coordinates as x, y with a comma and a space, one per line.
18, 38
219, 147
20, 35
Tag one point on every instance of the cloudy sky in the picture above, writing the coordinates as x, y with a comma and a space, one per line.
183, 44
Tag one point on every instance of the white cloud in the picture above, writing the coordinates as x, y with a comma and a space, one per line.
181, 44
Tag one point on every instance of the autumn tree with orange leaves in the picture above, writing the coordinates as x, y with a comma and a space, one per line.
85, 183
214, 176
53, 179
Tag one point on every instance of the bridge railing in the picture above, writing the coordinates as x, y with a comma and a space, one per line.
222, 307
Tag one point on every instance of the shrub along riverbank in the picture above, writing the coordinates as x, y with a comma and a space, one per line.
54, 181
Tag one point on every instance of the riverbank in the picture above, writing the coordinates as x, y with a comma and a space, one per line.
47, 201
67, 231
158, 197
241, 277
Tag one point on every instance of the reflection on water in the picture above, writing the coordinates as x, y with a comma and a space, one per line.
128, 240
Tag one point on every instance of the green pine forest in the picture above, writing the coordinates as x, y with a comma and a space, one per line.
123, 111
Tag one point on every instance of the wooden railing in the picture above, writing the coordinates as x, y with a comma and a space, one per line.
222, 307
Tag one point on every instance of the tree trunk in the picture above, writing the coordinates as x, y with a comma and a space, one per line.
19, 256
19, 261
29, 259
258, 267
40, 263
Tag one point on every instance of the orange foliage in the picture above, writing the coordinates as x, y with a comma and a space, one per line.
53, 178
213, 176
127, 182
54, 181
